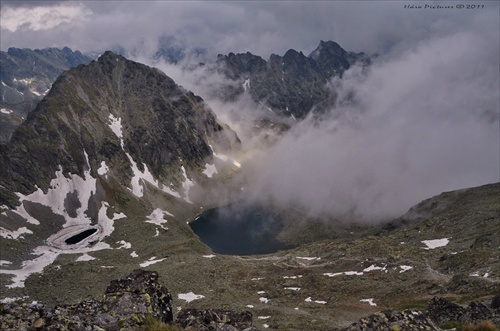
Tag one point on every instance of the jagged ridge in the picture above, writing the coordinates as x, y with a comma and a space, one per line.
164, 127
292, 84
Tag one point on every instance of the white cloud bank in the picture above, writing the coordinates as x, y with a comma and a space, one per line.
42, 17
419, 123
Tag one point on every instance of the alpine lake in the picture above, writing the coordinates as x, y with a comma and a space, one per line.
240, 229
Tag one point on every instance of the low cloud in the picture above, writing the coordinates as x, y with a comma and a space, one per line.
419, 123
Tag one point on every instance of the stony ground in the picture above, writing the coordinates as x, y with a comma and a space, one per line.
322, 284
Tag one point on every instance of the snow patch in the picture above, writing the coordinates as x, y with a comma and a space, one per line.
124, 244
308, 258
46, 255
226, 158
14, 234
157, 217
431, 244
347, 273
293, 288
116, 126
6, 111
369, 301
150, 262
249, 306
85, 257
209, 256
12, 300
246, 85
263, 317
374, 267
4, 262
210, 170
134, 254
139, 177
405, 268
292, 277
189, 296
264, 300
308, 299
103, 169
186, 185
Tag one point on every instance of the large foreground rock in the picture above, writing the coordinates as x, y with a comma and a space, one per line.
125, 306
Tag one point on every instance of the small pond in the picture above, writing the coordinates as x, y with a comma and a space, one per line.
80, 236
239, 229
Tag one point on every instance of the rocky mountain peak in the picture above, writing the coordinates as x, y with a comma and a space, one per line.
290, 85
129, 116
327, 48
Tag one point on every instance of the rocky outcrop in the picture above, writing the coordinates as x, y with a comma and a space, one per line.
442, 310
125, 306
407, 320
128, 304
439, 311
215, 320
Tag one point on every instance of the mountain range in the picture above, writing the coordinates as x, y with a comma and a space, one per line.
110, 167
291, 85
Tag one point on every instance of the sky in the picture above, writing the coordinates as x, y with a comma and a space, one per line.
261, 27
424, 119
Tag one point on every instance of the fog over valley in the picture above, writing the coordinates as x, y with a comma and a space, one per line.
249, 165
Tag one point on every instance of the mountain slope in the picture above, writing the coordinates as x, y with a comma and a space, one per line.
109, 109
26, 76
111, 140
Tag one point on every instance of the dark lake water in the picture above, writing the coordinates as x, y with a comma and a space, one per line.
238, 229
79, 237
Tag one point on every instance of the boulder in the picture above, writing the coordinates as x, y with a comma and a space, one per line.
442, 310
125, 306
397, 321
215, 320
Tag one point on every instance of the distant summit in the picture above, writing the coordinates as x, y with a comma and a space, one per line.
290, 85
26, 76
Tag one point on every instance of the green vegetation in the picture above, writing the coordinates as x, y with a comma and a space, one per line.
458, 326
153, 324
